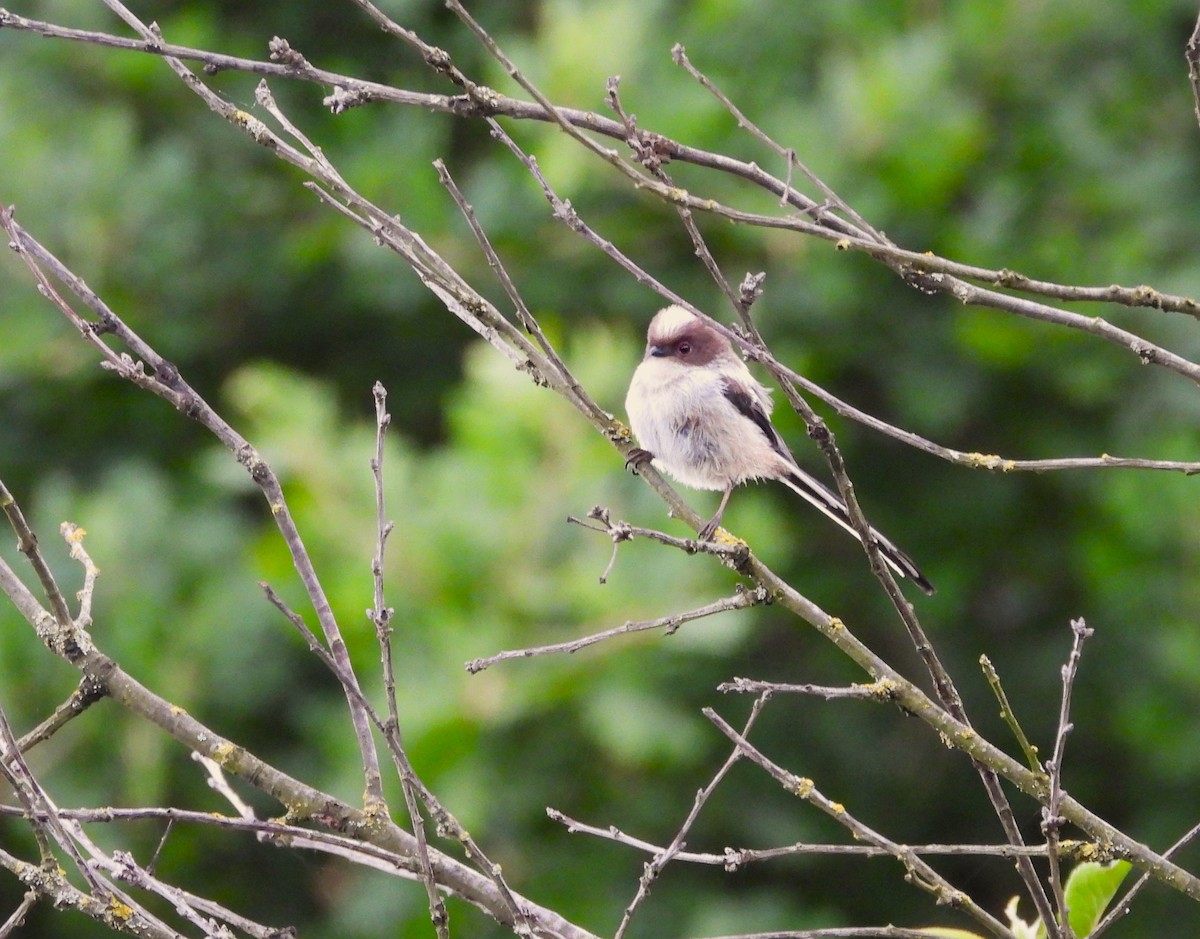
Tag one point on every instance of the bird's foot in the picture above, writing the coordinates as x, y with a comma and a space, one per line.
717, 535
637, 457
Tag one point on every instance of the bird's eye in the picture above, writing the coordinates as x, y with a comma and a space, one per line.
684, 347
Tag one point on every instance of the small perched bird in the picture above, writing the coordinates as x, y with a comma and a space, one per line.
703, 419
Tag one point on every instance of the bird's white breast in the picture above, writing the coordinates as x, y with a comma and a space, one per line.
682, 416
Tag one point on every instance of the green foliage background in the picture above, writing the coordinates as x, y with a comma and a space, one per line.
1055, 138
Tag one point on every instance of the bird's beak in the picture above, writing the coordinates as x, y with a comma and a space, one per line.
657, 351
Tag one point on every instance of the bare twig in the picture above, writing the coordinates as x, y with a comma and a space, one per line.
1191, 54
875, 691
437, 59
733, 858
731, 551
524, 316
485, 102
789, 155
219, 784
17, 920
159, 376
46, 823
27, 544
50, 883
648, 150
740, 600
74, 535
87, 693
1007, 714
654, 868
1121, 909
1052, 822
918, 871
381, 615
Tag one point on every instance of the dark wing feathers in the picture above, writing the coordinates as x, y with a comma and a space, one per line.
813, 491
749, 406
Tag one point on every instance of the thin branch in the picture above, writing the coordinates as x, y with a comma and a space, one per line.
679, 54
875, 691
1052, 821
648, 151
17, 920
38, 804
524, 316
73, 535
219, 783
661, 859
485, 102
27, 544
437, 59
380, 613
732, 552
1120, 909
740, 600
918, 871
51, 884
161, 377
1191, 55
1008, 715
381, 616
733, 858
87, 693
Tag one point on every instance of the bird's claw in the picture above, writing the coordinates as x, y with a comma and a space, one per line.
637, 457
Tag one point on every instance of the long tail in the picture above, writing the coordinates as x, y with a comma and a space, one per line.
831, 505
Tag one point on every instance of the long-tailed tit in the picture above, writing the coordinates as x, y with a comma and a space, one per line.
703, 418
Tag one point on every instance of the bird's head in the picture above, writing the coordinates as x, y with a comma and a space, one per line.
676, 334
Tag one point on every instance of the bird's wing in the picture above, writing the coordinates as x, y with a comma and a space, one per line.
750, 406
815, 492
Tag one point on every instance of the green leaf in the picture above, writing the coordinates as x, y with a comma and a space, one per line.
1089, 890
